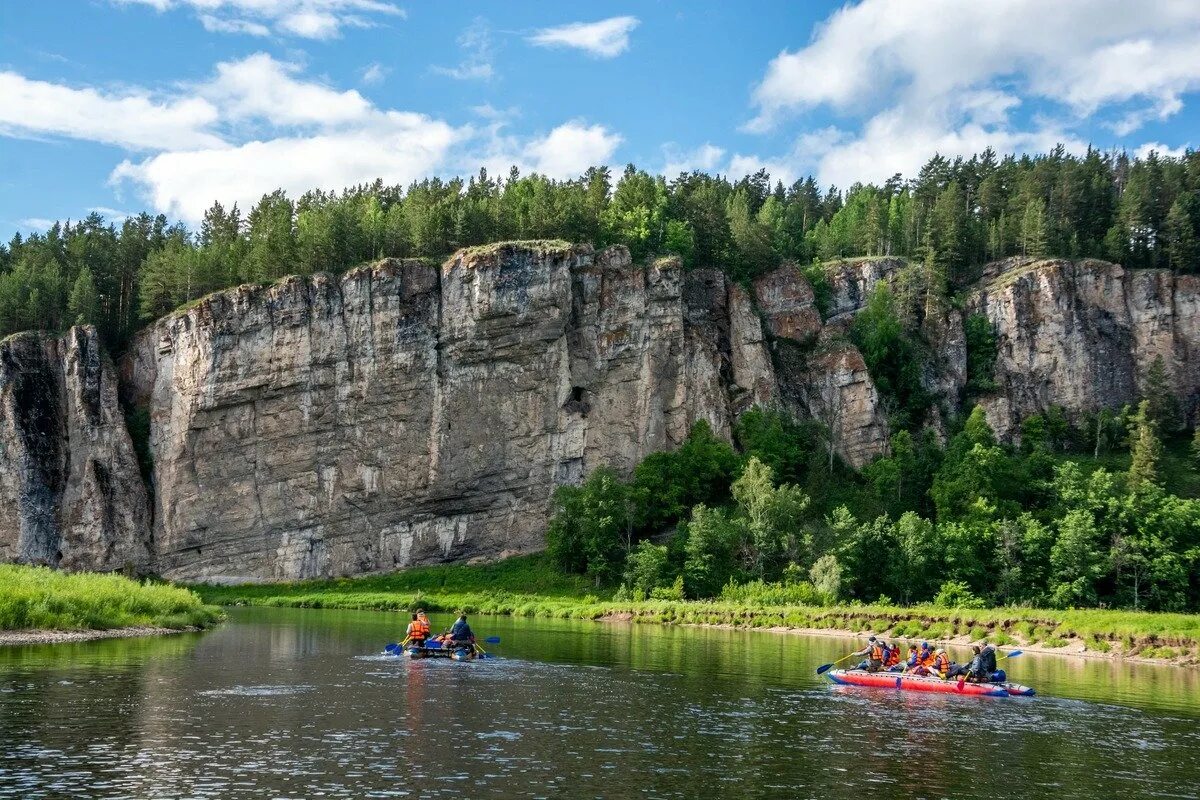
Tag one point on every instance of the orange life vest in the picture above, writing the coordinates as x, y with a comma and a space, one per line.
926, 658
942, 663
893, 656
422, 628
413, 631
876, 652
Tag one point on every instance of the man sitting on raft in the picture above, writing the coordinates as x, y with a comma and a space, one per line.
460, 632
874, 652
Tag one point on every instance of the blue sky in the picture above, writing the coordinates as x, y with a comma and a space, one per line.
167, 105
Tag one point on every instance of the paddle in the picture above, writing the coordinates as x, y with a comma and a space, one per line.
390, 647
492, 640
821, 670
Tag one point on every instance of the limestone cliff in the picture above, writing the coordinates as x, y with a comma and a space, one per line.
406, 414
1082, 335
69, 479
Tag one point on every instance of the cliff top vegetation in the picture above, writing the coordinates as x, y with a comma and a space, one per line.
952, 215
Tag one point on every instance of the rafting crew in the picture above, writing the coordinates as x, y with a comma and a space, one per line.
879, 656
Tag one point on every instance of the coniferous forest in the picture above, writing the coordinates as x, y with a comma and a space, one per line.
952, 215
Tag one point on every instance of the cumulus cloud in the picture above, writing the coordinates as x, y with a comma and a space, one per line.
309, 19
398, 147
261, 87
258, 124
132, 119
607, 38
942, 75
571, 148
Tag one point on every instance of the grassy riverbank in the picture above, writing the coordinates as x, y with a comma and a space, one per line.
44, 600
529, 586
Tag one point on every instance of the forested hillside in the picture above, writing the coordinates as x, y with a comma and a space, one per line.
1140, 212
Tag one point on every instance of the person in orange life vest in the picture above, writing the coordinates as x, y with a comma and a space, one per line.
910, 663
412, 634
874, 655
893, 657
924, 660
941, 664
424, 622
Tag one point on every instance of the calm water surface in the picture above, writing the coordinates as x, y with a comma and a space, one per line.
295, 704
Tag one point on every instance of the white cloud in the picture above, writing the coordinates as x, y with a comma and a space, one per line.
571, 148
37, 224
374, 73
132, 119
219, 25
111, 214
951, 77
310, 19
258, 124
1162, 150
398, 147
476, 64
260, 87
605, 39
705, 158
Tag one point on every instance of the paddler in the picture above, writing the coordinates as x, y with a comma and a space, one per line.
972, 671
424, 622
874, 655
461, 631
892, 661
941, 663
914, 659
988, 665
413, 634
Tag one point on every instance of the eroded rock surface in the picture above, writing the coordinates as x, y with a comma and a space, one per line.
404, 414
69, 479
1083, 334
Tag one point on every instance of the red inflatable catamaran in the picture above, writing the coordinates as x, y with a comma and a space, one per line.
923, 683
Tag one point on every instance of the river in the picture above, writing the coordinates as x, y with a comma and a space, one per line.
283, 703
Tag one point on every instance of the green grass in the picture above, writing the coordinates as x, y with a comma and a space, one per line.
529, 586
37, 598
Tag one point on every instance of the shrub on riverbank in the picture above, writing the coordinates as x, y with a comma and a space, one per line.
37, 598
1100, 631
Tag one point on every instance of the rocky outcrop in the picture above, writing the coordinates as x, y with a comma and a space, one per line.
1082, 335
839, 392
405, 414
69, 477
852, 280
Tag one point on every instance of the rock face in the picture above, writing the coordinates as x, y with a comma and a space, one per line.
853, 280
404, 414
69, 479
1082, 335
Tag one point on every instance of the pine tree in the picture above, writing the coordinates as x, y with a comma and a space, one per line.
1163, 403
1033, 229
82, 305
1145, 446
1183, 246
